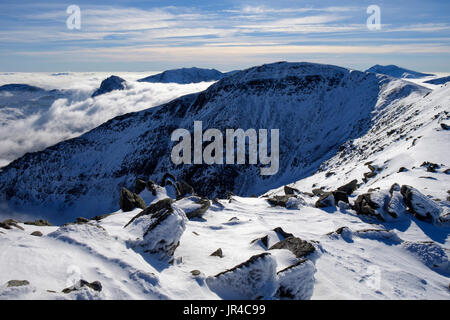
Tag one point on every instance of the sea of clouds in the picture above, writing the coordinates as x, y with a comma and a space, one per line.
28, 124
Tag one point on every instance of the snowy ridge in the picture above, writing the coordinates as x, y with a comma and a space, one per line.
323, 107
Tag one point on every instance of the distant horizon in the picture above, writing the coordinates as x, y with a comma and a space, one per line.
135, 35
3, 72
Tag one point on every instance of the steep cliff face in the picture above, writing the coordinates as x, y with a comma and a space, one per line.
317, 108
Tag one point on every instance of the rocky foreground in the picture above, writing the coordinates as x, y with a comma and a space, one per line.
168, 243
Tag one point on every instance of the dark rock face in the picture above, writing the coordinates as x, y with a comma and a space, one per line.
264, 241
420, 205
129, 200
203, 206
96, 286
297, 246
325, 200
184, 189
282, 233
431, 167
280, 201
9, 223
349, 188
364, 205
340, 196
289, 191
39, 223
110, 84
139, 186
155, 209
37, 234
17, 283
217, 253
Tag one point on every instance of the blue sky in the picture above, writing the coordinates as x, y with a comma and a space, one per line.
158, 35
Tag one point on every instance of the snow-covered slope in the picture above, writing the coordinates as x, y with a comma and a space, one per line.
317, 109
439, 81
185, 76
361, 261
397, 72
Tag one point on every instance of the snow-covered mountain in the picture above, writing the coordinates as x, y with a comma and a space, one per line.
397, 72
110, 84
438, 81
366, 214
185, 76
317, 108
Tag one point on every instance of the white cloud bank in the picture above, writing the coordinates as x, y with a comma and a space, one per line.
31, 130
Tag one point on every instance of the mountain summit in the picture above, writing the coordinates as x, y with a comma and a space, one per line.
397, 72
185, 76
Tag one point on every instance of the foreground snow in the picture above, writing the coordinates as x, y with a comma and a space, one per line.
356, 264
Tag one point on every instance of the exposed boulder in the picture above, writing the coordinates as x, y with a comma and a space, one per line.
340, 196
431, 167
139, 186
264, 241
129, 200
184, 189
318, 192
39, 223
217, 253
297, 246
419, 204
96, 286
158, 229
370, 204
37, 234
282, 233
151, 186
193, 206
296, 282
255, 278
350, 187
289, 191
17, 283
9, 223
168, 177
325, 200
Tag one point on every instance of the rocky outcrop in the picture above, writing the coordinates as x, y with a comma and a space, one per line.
9, 223
39, 223
129, 200
350, 187
296, 282
297, 246
17, 283
194, 207
96, 286
419, 204
110, 84
157, 230
252, 279
217, 253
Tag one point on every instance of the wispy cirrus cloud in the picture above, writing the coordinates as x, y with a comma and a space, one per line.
275, 29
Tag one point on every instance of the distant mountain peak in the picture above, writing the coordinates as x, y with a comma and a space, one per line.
110, 84
185, 76
397, 72
19, 87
